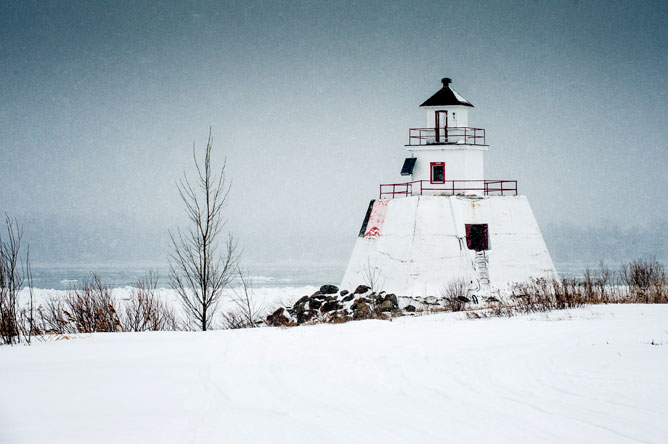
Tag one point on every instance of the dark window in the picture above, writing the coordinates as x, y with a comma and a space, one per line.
438, 172
409, 164
477, 237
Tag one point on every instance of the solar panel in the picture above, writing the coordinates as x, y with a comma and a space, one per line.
409, 164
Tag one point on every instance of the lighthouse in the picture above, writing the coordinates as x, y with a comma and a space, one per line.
442, 221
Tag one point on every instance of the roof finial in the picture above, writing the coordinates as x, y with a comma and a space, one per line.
446, 81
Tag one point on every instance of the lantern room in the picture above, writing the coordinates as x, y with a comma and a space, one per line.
446, 109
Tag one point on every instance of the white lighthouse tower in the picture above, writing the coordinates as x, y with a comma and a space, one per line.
445, 222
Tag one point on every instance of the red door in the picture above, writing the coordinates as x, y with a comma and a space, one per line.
477, 237
441, 126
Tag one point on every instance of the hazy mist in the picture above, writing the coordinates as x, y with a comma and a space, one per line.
310, 102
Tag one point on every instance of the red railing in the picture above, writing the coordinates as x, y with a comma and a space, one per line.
455, 135
449, 188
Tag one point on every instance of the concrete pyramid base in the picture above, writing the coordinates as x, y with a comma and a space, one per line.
416, 246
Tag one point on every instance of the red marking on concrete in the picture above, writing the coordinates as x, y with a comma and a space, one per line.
377, 218
373, 232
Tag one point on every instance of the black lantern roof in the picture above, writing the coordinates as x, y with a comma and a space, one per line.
446, 96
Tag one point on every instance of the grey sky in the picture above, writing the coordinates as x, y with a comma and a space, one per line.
311, 103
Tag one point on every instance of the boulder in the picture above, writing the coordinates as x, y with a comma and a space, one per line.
278, 318
409, 308
344, 292
305, 315
361, 310
362, 289
393, 298
318, 295
314, 304
463, 299
337, 317
301, 301
329, 289
386, 305
348, 298
330, 306
359, 301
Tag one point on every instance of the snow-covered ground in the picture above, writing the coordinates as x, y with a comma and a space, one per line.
597, 374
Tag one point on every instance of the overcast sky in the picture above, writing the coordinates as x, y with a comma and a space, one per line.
100, 103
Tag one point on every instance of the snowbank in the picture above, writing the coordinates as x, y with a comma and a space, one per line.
596, 374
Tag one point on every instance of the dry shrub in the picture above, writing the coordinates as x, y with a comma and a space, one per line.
91, 307
540, 295
501, 309
532, 296
455, 295
599, 285
646, 281
145, 311
53, 318
233, 320
247, 313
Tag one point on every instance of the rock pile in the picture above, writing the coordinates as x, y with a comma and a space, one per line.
331, 305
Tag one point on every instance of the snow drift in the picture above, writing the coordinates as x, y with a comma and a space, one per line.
595, 374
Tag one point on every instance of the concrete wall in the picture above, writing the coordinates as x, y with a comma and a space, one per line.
420, 245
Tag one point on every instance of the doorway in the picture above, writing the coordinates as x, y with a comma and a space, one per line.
477, 237
441, 126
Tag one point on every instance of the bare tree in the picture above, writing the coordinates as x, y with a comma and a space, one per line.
11, 281
199, 270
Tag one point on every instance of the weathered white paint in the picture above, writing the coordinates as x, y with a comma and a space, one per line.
460, 118
421, 246
461, 162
